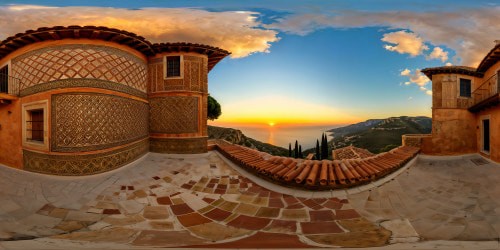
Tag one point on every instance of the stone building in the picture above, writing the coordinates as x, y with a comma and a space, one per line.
465, 110
84, 100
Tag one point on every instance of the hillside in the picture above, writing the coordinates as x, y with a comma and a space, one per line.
237, 137
380, 135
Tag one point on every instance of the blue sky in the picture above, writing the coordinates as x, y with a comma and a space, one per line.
299, 62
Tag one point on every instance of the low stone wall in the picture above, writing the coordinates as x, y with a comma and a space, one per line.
415, 140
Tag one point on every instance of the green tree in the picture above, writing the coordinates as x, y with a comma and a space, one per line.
318, 155
324, 147
289, 150
213, 108
296, 150
300, 152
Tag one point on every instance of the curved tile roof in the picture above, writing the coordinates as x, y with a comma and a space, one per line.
317, 175
351, 152
451, 69
490, 59
129, 39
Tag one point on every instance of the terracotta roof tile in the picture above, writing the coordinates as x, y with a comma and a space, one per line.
318, 174
123, 37
351, 152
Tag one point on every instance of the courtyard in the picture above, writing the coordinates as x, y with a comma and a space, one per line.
205, 201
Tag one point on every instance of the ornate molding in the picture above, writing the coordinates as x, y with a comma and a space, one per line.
77, 165
82, 82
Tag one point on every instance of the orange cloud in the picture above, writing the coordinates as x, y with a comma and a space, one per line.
404, 42
235, 31
438, 53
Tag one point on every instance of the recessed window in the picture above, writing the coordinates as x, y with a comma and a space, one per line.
34, 125
173, 66
465, 87
4, 79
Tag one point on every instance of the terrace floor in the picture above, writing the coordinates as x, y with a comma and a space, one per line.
200, 201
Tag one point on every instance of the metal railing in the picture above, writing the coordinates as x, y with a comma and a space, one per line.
487, 89
9, 85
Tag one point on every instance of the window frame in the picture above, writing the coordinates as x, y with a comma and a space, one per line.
26, 109
181, 68
9, 69
459, 87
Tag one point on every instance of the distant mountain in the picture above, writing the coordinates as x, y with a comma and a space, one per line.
380, 135
235, 136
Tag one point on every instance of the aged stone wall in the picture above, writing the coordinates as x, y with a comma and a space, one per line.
91, 121
195, 75
79, 61
174, 114
75, 164
414, 140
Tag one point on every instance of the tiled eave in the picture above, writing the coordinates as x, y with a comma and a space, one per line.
214, 54
490, 59
122, 37
429, 72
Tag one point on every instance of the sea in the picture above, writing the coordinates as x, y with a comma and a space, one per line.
283, 135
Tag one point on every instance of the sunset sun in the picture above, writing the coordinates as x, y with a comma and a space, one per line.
271, 124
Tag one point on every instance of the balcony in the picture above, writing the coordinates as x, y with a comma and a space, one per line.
9, 88
486, 95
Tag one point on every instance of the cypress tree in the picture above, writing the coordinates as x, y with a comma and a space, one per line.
318, 156
324, 147
289, 150
296, 149
300, 152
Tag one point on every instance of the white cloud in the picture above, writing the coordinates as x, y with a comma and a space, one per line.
438, 53
417, 77
404, 43
410, 98
469, 32
236, 31
449, 64
405, 72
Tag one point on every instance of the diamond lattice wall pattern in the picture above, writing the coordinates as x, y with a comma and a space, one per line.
80, 61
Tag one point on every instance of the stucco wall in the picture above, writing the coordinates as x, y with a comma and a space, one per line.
453, 132
10, 134
494, 115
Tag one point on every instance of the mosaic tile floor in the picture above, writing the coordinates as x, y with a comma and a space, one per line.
200, 201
